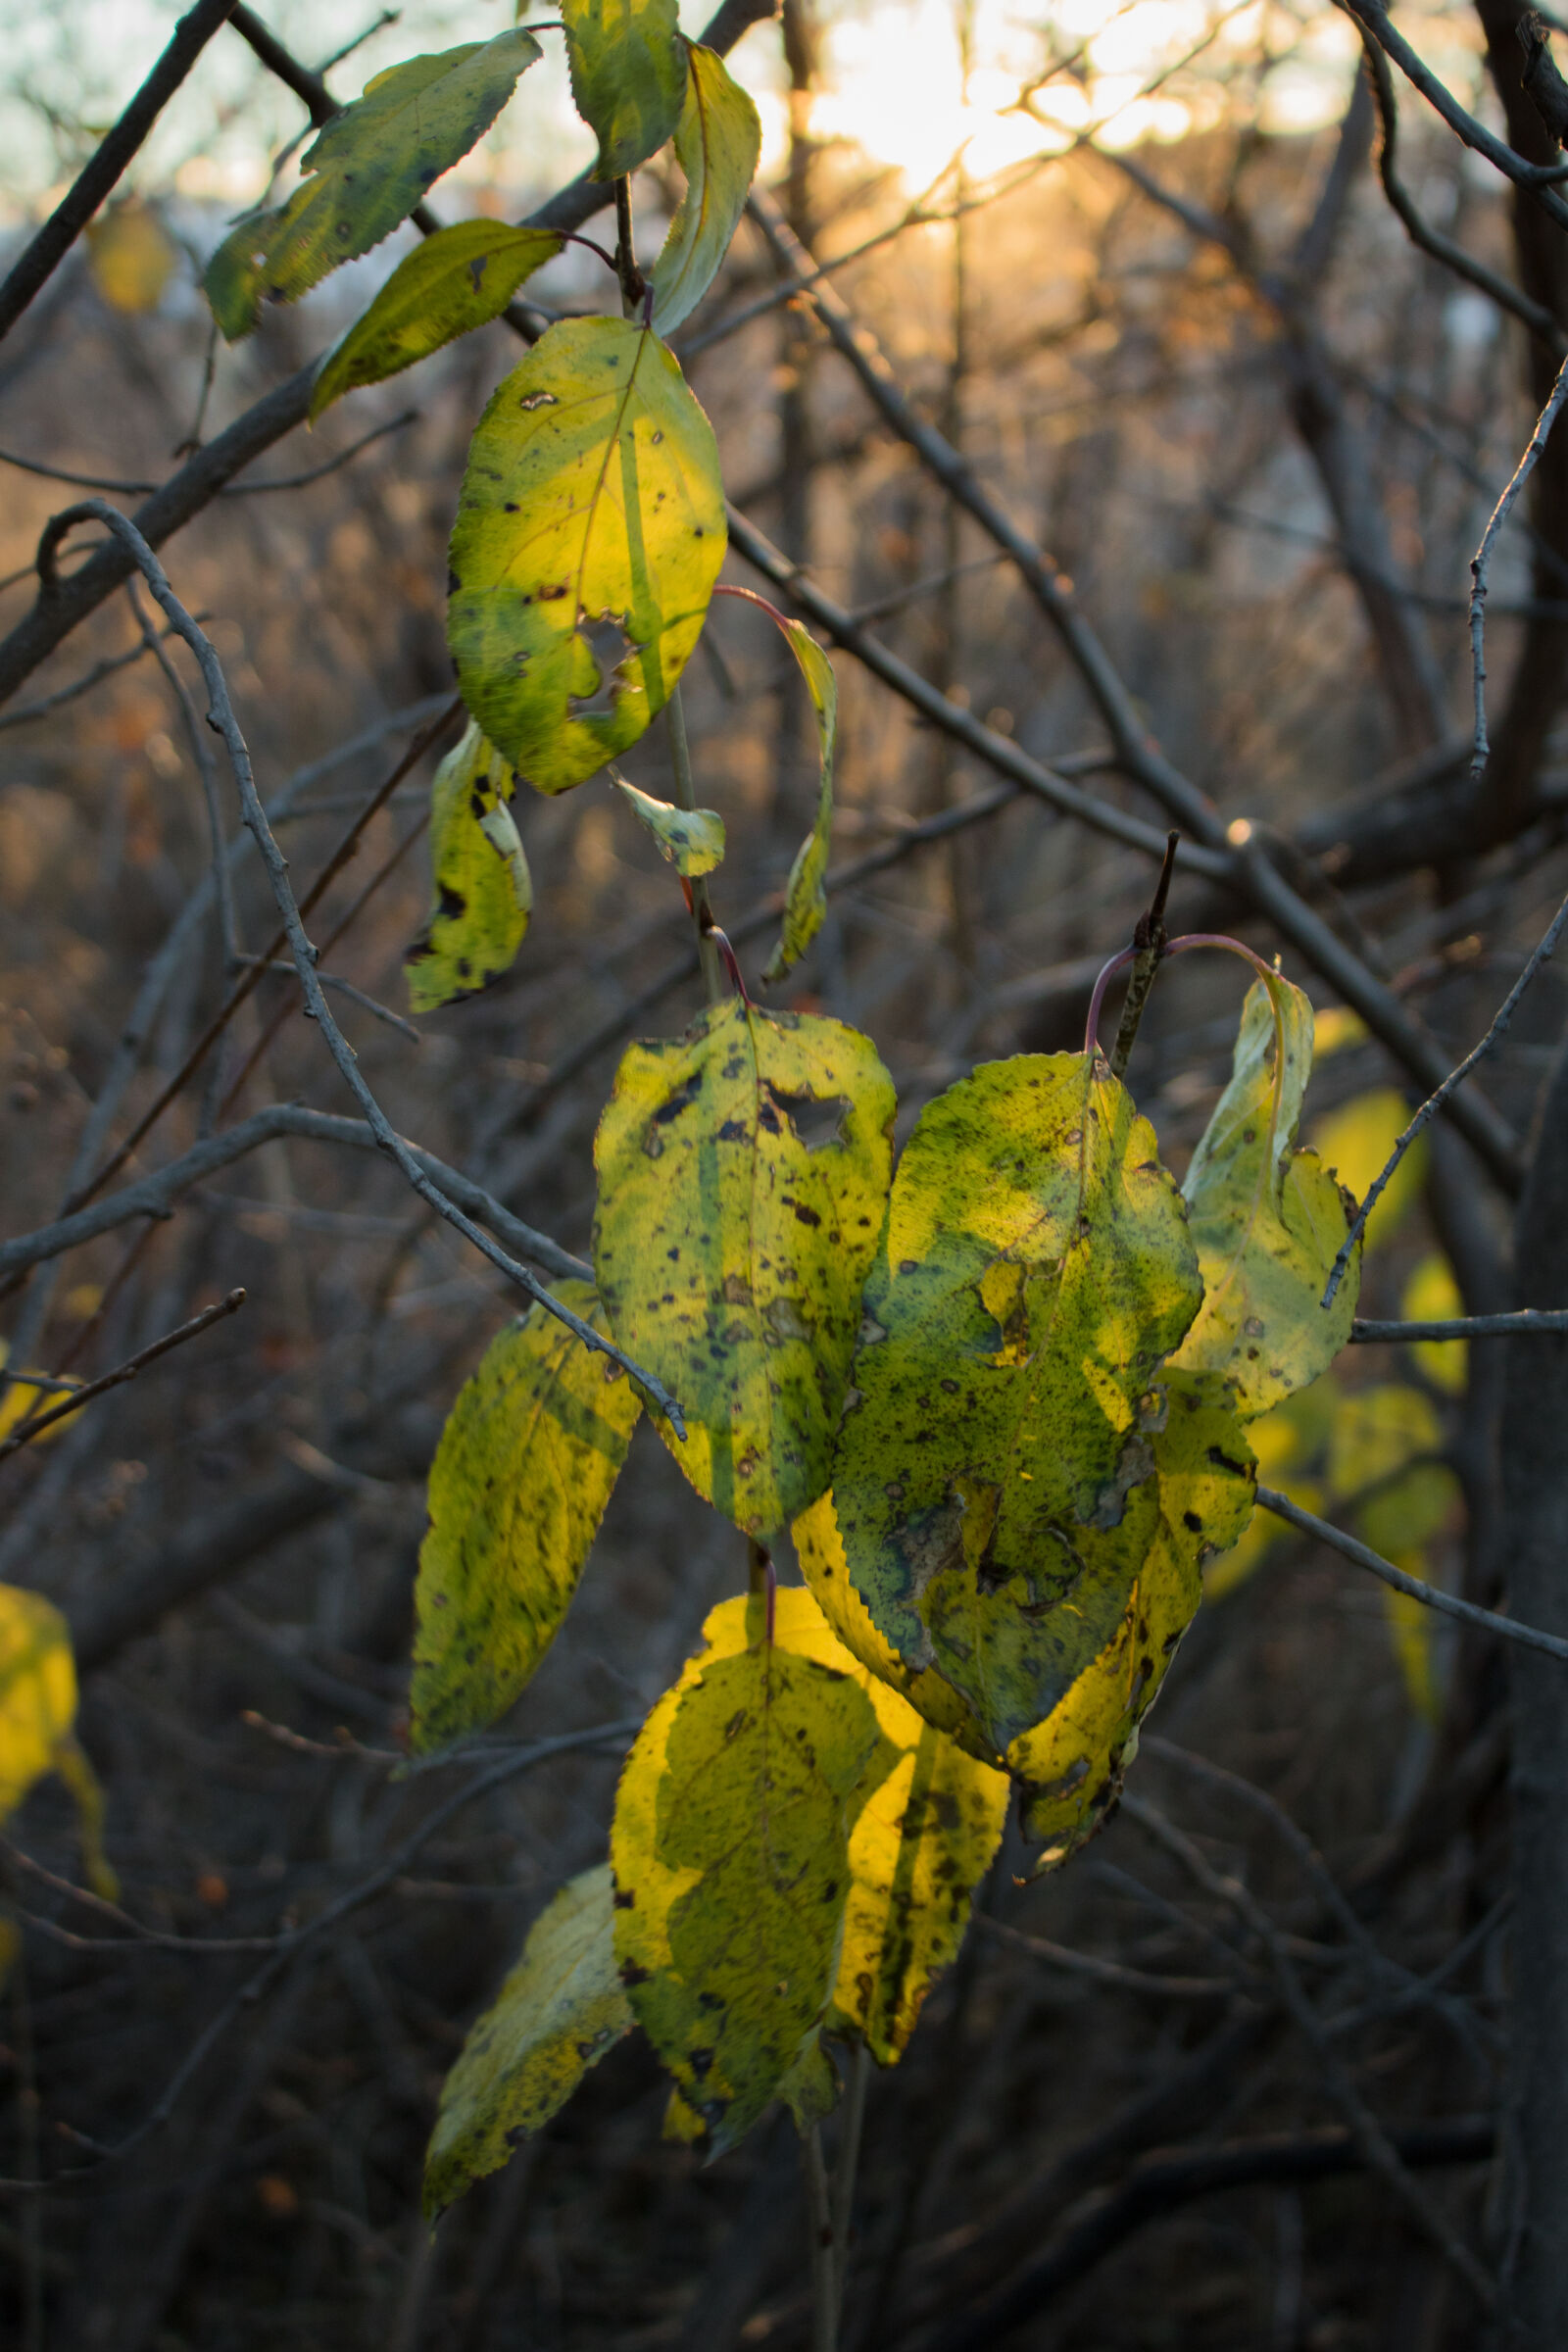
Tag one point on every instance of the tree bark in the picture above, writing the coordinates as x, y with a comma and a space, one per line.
1533, 1466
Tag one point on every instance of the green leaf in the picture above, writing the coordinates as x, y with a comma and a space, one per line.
692, 839
992, 1476
730, 1852
1071, 1765
742, 1170
364, 172
559, 2011
459, 279
1268, 1220
716, 146
483, 892
590, 532
526, 1463
628, 76
805, 899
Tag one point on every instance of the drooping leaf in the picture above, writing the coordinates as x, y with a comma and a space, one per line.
716, 146
1071, 1765
483, 892
1356, 1142
365, 171
1268, 1220
730, 1852
525, 1466
692, 839
805, 899
558, 2013
1432, 1296
628, 76
130, 257
991, 1475
459, 279
742, 1170
590, 532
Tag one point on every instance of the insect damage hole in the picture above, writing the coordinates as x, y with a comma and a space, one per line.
611, 651
815, 1119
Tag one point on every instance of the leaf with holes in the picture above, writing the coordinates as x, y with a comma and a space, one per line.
805, 899
742, 1172
526, 1463
731, 1851
1071, 1765
590, 532
1268, 1220
365, 171
692, 839
992, 1478
483, 892
716, 146
628, 76
558, 2013
459, 279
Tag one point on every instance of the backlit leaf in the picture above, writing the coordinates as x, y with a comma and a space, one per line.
365, 171
558, 2013
992, 1476
716, 146
1268, 1220
742, 1172
590, 532
628, 76
805, 899
692, 839
526, 1463
483, 892
1356, 1142
459, 279
732, 1859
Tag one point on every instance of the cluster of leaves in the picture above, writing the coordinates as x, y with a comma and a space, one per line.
997, 1394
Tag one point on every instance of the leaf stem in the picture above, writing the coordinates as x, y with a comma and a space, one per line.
681, 755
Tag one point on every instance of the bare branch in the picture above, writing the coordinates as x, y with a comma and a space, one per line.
35, 1423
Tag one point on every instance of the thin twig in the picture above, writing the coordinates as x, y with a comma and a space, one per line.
37, 1422
1432, 1596
1436, 1101
356, 995
1541, 1320
1481, 565
1114, 1972
199, 739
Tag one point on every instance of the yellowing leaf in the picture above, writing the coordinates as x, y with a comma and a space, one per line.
364, 172
731, 1860
1432, 1296
1268, 1220
558, 2013
716, 146
526, 1463
742, 1170
1376, 1432
37, 1692
628, 76
590, 532
130, 257
692, 839
992, 1476
1336, 1031
483, 892
1356, 1142
805, 899
459, 279
1071, 1765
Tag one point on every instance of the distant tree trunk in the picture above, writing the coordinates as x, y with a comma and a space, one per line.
1534, 1463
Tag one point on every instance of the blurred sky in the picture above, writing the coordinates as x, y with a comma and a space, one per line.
891, 73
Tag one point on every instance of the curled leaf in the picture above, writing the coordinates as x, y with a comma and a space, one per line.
805, 899
692, 839
483, 892
459, 279
365, 171
558, 2013
590, 532
716, 146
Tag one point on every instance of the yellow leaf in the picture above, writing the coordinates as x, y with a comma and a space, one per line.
483, 893
742, 1172
1356, 1142
130, 257
1376, 1432
558, 2013
1432, 1296
37, 1691
590, 532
